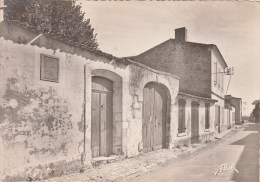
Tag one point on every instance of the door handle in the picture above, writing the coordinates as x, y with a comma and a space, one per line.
103, 106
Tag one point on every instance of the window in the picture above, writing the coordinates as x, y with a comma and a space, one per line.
215, 76
222, 82
49, 68
223, 116
219, 84
207, 112
181, 114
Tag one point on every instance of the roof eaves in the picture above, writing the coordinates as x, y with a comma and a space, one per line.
132, 57
68, 42
216, 47
151, 69
197, 97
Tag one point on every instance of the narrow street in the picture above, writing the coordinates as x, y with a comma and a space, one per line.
197, 163
240, 150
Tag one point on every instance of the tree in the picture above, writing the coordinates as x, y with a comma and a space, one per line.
256, 110
62, 19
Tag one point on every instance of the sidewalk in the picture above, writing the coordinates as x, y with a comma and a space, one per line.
222, 134
140, 164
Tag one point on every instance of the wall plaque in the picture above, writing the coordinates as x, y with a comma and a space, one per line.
49, 68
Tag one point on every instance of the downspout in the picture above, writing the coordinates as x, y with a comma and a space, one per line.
84, 117
83, 155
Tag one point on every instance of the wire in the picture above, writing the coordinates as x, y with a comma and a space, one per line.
228, 83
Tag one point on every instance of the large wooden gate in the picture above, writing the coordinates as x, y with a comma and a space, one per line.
101, 117
154, 117
194, 122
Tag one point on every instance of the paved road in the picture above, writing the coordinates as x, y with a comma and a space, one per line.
241, 150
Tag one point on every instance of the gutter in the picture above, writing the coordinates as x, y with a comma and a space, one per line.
196, 97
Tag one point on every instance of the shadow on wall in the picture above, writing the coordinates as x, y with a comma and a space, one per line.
248, 164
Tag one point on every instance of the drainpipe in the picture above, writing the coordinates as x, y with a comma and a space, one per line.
83, 157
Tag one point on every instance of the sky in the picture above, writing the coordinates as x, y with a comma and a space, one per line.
128, 28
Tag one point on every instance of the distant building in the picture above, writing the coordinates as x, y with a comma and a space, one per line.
256, 111
237, 104
229, 114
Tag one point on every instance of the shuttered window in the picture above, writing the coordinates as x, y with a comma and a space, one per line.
219, 80
216, 75
207, 112
222, 82
181, 114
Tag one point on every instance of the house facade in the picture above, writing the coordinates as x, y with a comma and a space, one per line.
63, 107
237, 104
255, 115
201, 68
229, 115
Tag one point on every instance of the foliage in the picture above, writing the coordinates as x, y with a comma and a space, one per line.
57, 18
256, 110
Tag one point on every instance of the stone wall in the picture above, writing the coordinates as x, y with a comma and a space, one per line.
45, 127
140, 75
40, 122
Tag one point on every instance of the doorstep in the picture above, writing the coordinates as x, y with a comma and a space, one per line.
105, 160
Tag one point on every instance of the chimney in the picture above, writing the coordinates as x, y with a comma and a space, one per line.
181, 34
2, 6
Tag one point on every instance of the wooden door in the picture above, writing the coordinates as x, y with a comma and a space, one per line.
194, 122
217, 117
148, 107
154, 117
228, 119
207, 116
101, 117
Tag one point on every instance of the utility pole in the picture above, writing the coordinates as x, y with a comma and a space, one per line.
228, 71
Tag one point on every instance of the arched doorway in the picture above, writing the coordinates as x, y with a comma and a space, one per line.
156, 115
101, 117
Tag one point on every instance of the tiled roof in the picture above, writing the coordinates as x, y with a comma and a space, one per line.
256, 102
65, 41
186, 42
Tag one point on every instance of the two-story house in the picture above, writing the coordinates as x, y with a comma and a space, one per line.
201, 95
